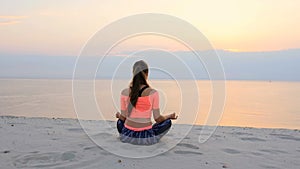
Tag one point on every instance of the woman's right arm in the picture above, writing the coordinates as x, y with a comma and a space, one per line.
160, 118
156, 111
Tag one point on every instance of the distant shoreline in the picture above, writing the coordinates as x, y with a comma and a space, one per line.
154, 79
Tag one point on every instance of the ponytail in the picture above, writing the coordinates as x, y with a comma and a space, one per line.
140, 71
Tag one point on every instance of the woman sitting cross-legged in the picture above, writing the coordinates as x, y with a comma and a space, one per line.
138, 103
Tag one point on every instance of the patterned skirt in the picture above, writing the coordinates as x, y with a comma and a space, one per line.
145, 137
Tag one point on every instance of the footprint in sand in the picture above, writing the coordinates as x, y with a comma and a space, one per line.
269, 167
286, 137
271, 151
257, 154
93, 148
96, 149
187, 152
252, 139
76, 129
242, 133
231, 151
290, 138
279, 135
217, 136
105, 135
38, 160
188, 146
199, 128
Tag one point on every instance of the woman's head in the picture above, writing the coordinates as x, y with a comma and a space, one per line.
140, 67
140, 75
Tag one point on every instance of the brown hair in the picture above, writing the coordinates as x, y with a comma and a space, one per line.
140, 71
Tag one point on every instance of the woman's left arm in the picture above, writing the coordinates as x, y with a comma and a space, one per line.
123, 102
121, 115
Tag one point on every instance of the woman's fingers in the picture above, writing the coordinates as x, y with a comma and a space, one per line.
117, 114
173, 116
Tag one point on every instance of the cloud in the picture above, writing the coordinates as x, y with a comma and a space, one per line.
11, 19
49, 13
9, 22
12, 16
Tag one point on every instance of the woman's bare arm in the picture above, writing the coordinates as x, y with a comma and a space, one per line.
121, 115
160, 118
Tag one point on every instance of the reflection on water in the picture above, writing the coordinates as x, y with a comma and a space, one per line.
248, 103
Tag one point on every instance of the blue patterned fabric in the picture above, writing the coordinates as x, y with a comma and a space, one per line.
145, 137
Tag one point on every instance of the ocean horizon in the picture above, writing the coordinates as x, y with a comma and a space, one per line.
261, 104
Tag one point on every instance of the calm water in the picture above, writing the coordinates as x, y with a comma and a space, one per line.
248, 103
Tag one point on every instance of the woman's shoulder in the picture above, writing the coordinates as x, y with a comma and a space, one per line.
152, 90
125, 92
147, 92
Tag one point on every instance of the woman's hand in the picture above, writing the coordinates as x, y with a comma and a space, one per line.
173, 116
118, 114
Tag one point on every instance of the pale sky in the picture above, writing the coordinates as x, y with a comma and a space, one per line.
62, 27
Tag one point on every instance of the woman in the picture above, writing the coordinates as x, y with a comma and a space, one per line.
138, 103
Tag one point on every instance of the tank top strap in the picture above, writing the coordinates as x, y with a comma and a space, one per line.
142, 89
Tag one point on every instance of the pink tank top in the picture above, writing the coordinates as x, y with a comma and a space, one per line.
143, 108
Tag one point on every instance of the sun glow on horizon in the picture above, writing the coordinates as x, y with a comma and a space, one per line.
233, 50
229, 25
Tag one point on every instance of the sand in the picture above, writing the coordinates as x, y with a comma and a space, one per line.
63, 143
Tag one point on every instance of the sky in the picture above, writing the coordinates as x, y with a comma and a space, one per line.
61, 28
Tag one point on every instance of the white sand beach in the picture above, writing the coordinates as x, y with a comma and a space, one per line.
227, 74
62, 143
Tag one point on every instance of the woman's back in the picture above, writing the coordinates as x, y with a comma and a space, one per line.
138, 103
140, 116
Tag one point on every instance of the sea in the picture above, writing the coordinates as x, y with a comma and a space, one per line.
260, 104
